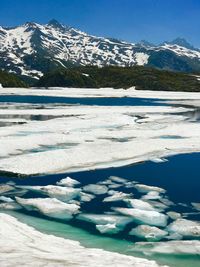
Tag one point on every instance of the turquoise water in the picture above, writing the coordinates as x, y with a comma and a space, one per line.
93, 241
179, 176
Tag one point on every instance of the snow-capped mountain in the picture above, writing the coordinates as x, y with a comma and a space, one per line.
33, 49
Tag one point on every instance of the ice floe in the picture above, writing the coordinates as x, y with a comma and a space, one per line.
147, 188
153, 218
106, 223
85, 197
150, 233
6, 199
10, 206
157, 204
174, 215
152, 195
179, 247
158, 160
4, 188
118, 179
109, 228
186, 228
50, 207
116, 196
68, 182
96, 189
139, 204
196, 206
59, 192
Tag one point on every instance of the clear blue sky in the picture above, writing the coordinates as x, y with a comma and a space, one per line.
131, 20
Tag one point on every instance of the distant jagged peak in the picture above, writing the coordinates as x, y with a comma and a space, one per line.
146, 43
30, 23
56, 24
180, 41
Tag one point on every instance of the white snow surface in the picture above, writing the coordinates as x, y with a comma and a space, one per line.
32, 248
88, 137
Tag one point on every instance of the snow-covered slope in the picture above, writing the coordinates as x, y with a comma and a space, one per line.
32, 49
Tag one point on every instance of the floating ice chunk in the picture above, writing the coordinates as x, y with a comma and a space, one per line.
10, 206
139, 204
181, 247
118, 179
130, 184
152, 195
174, 236
109, 228
106, 182
196, 206
166, 201
113, 186
145, 216
85, 197
157, 204
50, 207
6, 199
117, 196
158, 160
73, 201
174, 215
96, 189
151, 233
11, 183
59, 192
142, 188
106, 219
4, 188
183, 205
185, 228
68, 182
16, 192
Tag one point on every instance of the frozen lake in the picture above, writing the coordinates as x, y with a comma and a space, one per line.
133, 165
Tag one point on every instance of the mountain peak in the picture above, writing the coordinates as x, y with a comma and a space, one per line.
55, 23
30, 24
146, 43
182, 42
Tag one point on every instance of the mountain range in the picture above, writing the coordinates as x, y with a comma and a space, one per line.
32, 49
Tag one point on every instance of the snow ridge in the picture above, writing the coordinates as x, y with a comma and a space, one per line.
32, 48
